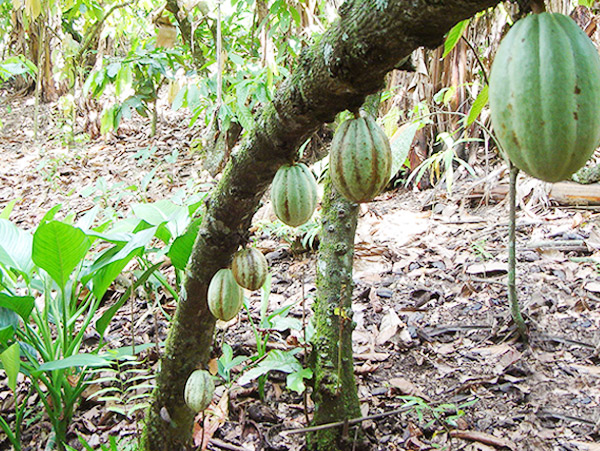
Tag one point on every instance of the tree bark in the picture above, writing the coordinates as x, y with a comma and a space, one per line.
334, 388
370, 38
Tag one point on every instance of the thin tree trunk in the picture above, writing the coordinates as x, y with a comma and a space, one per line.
348, 63
334, 390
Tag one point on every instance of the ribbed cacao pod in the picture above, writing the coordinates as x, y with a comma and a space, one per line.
199, 390
250, 268
294, 194
545, 96
225, 296
360, 160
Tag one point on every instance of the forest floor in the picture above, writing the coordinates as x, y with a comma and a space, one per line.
432, 321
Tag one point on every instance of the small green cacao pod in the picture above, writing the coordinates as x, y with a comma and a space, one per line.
545, 96
250, 268
225, 296
360, 160
199, 390
294, 194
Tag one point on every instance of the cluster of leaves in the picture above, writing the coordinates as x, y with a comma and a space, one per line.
265, 361
52, 282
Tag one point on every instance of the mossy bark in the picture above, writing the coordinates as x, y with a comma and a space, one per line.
334, 391
349, 62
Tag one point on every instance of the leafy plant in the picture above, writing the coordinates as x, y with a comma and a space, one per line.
50, 327
114, 444
274, 360
445, 414
443, 161
126, 386
51, 285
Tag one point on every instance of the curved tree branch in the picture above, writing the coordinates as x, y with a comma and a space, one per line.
348, 63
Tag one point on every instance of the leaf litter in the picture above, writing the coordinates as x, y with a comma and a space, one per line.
431, 314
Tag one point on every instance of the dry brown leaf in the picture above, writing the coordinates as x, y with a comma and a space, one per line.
214, 417
488, 268
388, 327
485, 438
406, 387
589, 369
586, 446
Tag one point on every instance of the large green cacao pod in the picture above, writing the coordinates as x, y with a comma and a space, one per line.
199, 390
545, 96
250, 268
225, 296
294, 194
360, 160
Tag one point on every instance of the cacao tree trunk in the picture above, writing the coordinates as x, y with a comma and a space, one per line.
334, 388
349, 62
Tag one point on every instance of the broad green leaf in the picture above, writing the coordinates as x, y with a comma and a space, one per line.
164, 211
58, 248
110, 264
106, 318
75, 361
86, 222
9, 321
182, 246
21, 305
588, 3
15, 247
295, 380
454, 36
11, 360
282, 323
400, 145
275, 360
478, 104
179, 98
49, 216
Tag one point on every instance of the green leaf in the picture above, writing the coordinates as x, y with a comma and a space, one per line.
276, 360
49, 216
9, 321
588, 3
58, 248
179, 98
478, 104
21, 305
295, 380
164, 211
112, 262
244, 116
15, 247
7, 210
11, 360
400, 145
182, 246
454, 36
75, 361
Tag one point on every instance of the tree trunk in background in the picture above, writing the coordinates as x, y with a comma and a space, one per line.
348, 63
334, 391
187, 33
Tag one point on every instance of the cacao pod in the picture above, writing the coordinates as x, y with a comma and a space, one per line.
225, 296
294, 194
199, 390
545, 96
250, 268
360, 160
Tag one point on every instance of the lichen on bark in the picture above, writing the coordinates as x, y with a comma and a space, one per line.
334, 391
